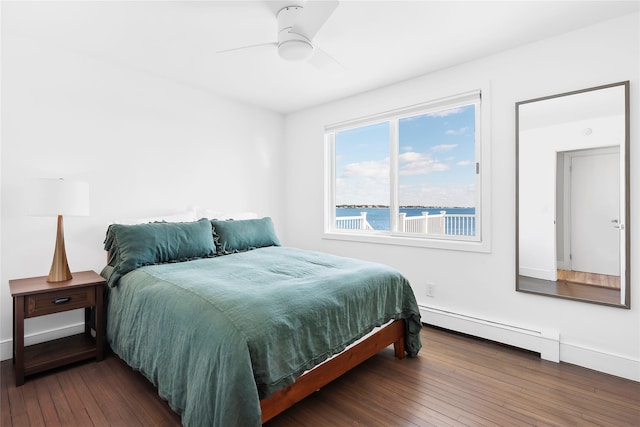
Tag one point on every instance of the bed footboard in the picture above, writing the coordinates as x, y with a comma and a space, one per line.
333, 368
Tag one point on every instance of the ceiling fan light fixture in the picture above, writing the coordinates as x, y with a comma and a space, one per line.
295, 50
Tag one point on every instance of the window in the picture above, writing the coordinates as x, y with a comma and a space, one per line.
409, 175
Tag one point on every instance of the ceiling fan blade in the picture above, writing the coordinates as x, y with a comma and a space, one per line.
247, 47
322, 60
312, 17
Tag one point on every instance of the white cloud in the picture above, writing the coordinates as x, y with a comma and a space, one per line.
413, 163
411, 156
443, 147
364, 183
463, 196
362, 191
460, 131
368, 182
445, 113
422, 167
369, 168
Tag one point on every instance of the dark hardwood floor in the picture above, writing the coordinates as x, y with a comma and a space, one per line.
456, 381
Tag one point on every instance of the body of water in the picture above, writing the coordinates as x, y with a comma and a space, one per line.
379, 217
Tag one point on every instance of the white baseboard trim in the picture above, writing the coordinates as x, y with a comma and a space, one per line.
612, 364
6, 346
545, 342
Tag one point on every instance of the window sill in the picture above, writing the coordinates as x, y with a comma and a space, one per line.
387, 239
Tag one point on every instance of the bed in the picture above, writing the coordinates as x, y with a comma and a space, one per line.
233, 328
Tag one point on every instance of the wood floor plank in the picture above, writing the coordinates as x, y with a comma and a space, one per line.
63, 409
414, 393
32, 406
135, 389
106, 401
407, 402
81, 413
451, 389
87, 400
591, 279
46, 404
456, 381
19, 416
540, 389
509, 379
5, 409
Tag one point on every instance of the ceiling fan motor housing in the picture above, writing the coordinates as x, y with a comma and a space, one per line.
292, 46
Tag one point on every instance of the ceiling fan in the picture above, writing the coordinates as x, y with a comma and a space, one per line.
297, 26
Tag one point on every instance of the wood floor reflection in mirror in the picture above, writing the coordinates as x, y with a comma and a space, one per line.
588, 287
590, 279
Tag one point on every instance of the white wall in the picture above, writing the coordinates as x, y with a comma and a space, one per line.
146, 145
477, 285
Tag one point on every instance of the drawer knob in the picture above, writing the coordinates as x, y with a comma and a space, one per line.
61, 300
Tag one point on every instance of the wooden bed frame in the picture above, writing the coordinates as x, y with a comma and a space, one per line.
323, 374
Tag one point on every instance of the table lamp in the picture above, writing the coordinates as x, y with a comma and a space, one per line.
58, 197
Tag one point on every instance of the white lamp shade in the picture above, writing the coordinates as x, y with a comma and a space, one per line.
52, 197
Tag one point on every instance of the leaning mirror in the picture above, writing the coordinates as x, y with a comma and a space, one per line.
572, 198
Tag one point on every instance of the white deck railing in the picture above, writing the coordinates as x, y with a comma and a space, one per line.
461, 224
442, 223
425, 223
353, 222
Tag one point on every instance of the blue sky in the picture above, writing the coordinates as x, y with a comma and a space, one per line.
436, 156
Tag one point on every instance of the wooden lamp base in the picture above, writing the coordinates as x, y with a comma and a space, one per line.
59, 267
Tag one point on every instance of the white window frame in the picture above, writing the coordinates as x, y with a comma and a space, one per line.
478, 243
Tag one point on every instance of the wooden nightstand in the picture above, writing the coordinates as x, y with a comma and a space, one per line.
36, 297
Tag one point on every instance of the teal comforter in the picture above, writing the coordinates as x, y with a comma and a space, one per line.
217, 335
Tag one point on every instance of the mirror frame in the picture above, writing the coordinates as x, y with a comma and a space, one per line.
624, 264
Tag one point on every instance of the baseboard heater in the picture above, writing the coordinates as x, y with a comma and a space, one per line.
544, 341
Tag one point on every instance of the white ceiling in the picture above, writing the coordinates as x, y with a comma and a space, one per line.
377, 42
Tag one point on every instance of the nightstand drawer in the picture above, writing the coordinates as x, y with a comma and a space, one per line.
62, 300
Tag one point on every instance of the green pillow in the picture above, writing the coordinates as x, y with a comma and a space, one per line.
238, 236
133, 246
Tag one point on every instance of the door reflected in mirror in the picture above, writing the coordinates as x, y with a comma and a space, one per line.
572, 205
